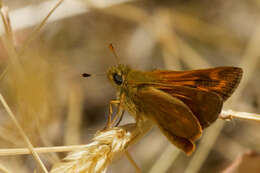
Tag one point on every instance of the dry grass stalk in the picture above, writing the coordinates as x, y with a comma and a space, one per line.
6, 21
230, 114
74, 119
131, 160
8, 39
14, 59
96, 156
25, 151
4, 169
39, 27
166, 159
105, 146
20, 130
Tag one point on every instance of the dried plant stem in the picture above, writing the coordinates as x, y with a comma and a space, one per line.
6, 22
121, 136
9, 39
24, 151
188, 51
20, 130
130, 158
38, 28
166, 159
225, 115
3, 169
106, 145
74, 119
172, 42
230, 114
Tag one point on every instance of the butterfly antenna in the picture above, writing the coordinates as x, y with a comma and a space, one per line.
111, 47
86, 75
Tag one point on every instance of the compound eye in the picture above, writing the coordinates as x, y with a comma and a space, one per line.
118, 79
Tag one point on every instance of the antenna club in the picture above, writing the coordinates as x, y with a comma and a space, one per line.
86, 75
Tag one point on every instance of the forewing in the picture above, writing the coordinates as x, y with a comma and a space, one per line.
169, 113
221, 80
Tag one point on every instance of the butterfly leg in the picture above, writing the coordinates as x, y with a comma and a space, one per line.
119, 114
120, 119
111, 103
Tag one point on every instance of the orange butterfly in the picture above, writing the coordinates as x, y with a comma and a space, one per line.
180, 103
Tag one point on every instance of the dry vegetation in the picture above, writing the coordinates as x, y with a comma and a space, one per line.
53, 106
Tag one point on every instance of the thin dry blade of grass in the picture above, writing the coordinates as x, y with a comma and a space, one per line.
74, 117
38, 28
14, 58
25, 151
166, 159
20, 130
131, 160
8, 39
6, 21
4, 169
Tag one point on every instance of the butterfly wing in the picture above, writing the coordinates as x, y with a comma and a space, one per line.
206, 106
221, 80
173, 117
203, 91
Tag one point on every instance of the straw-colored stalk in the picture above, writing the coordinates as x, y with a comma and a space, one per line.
230, 114
96, 156
106, 145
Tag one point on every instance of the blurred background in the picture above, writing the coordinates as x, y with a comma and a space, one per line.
41, 74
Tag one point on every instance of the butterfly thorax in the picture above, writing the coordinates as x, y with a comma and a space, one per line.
124, 78
127, 82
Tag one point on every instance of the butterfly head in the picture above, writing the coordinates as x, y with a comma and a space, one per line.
117, 74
